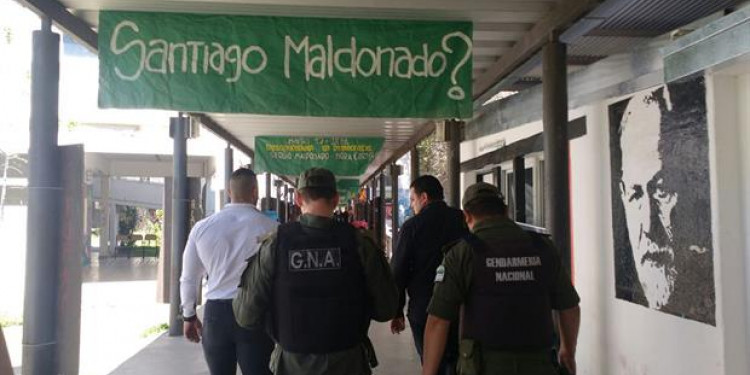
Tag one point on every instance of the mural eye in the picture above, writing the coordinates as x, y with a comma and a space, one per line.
637, 193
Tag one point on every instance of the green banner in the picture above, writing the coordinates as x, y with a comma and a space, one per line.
293, 155
348, 188
285, 66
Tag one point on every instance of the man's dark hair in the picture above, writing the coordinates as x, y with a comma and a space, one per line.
429, 185
316, 193
486, 207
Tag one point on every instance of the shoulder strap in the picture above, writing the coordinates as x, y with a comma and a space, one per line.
537, 240
476, 243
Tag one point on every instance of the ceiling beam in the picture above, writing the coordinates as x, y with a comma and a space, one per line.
72, 25
213, 126
492, 44
625, 33
567, 12
387, 5
497, 26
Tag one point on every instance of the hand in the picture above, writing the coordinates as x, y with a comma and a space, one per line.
398, 325
193, 330
567, 360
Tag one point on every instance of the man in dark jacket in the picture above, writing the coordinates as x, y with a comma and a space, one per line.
419, 253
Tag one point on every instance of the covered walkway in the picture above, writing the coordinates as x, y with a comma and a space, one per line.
606, 122
175, 355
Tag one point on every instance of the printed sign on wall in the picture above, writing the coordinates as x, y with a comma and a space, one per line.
293, 155
661, 202
285, 66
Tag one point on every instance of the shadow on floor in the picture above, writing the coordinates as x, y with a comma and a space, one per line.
175, 355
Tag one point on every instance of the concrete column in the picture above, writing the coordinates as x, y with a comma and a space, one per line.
277, 184
104, 231
114, 226
381, 210
267, 206
394, 172
180, 225
69, 280
165, 253
497, 176
519, 182
286, 204
453, 161
228, 169
44, 218
414, 164
555, 119
89, 221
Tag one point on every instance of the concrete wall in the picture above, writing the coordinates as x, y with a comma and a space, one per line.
623, 338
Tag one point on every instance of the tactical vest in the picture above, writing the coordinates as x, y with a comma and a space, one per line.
319, 291
509, 304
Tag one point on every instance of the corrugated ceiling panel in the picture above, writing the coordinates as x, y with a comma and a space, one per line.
604, 46
663, 15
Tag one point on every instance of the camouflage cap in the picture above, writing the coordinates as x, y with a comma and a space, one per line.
481, 190
316, 177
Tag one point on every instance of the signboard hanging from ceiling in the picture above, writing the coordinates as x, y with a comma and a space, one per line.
285, 66
291, 156
348, 188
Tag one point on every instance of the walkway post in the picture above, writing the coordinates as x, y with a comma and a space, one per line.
179, 127
228, 169
453, 161
414, 164
519, 182
381, 210
555, 119
286, 204
267, 205
277, 184
497, 177
395, 171
45, 198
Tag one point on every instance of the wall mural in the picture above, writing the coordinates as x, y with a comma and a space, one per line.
661, 202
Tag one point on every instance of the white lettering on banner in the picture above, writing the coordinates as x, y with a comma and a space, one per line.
321, 61
159, 56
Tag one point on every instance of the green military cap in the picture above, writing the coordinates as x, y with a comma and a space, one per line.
481, 190
317, 178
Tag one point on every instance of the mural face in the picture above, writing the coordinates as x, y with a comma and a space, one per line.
661, 204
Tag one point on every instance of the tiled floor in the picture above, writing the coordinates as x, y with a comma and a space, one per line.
175, 355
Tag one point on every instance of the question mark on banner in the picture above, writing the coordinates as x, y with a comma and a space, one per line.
456, 92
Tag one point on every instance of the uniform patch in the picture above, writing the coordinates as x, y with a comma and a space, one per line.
439, 274
315, 259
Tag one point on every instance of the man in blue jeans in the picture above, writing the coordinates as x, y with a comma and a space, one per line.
417, 256
218, 247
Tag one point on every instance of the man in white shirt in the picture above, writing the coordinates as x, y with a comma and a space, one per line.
218, 247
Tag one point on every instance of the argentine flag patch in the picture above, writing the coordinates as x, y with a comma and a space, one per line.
439, 274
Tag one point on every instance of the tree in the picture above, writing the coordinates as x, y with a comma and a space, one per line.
432, 158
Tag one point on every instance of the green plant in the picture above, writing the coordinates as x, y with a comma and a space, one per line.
7, 321
153, 330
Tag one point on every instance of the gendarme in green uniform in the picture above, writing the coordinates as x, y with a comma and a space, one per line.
255, 304
453, 287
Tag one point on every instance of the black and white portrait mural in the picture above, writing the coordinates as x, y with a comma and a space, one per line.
661, 202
